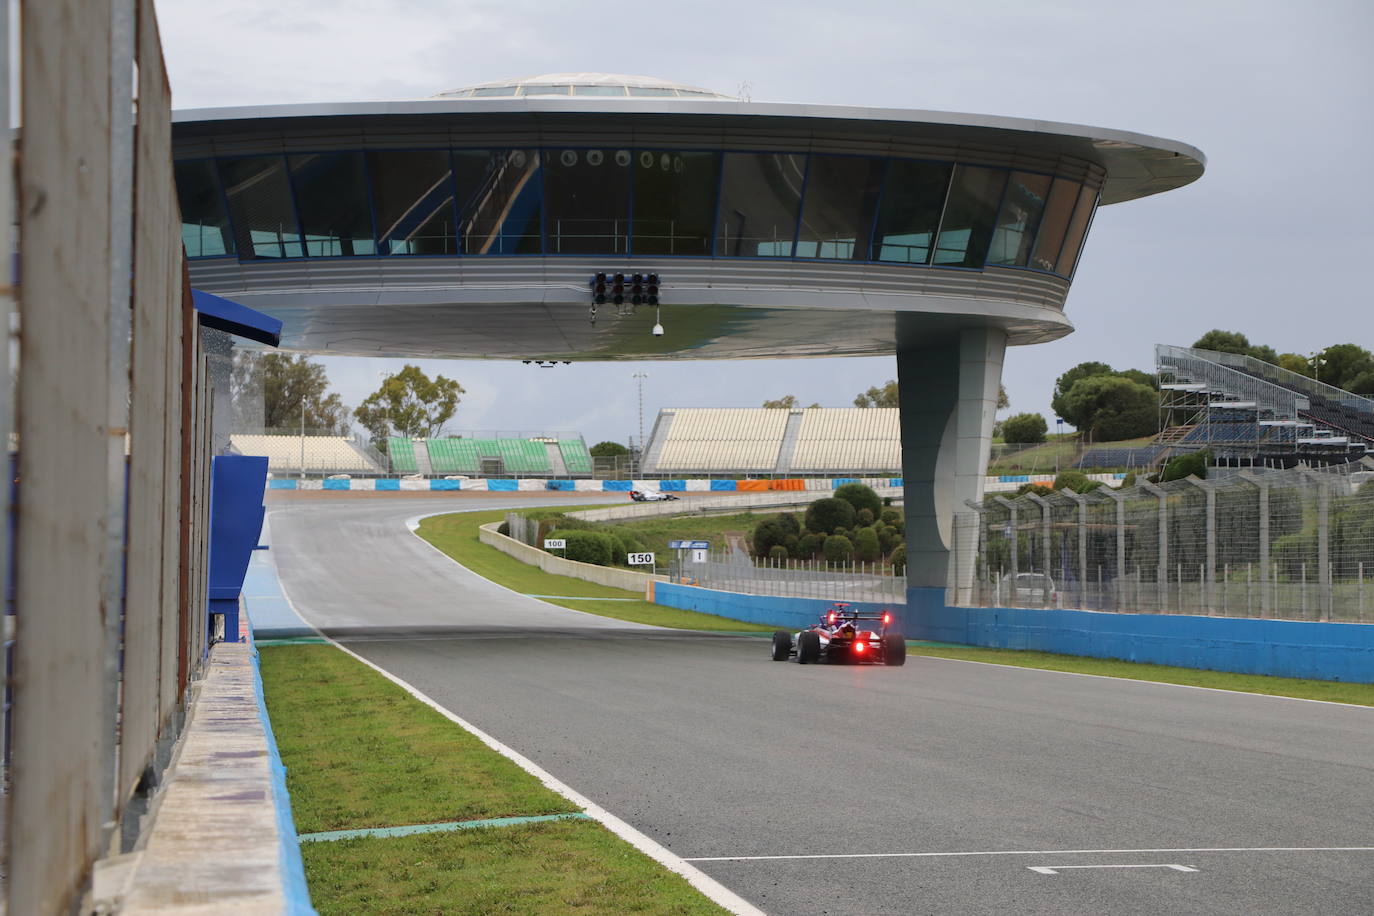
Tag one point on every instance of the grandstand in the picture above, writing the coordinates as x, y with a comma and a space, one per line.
287, 454
1244, 408
813, 441
556, 455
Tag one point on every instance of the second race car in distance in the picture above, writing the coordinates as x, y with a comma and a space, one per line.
650, 496
840, 638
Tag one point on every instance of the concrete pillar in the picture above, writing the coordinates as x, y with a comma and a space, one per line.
948, 390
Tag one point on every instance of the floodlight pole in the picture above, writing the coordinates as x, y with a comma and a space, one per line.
639, 377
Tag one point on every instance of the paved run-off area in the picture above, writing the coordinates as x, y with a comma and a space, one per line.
732, 760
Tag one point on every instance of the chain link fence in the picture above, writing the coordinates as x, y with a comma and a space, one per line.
1291, 544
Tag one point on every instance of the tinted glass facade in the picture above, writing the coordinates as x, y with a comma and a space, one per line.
632, 202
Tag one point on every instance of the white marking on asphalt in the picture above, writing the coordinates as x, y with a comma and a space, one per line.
712, 889
1137, 680
1028, 852
1048, 870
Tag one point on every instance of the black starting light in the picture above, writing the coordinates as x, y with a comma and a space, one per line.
618, 290
637, 289
599, 289
651, 289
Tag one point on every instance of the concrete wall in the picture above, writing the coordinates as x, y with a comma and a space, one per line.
1283, 648
588, 572
787, 613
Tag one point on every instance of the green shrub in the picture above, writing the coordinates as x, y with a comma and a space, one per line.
767, 535
586, 546
778, 553
808, 545
503, 528
825, 515
1128, 481
790, 544
860, 496
838, 549
841, 532
887, 536
891, 517
1071, 480
866, 545
864, 517
787, 521
897, 558
1180, 466
1039, 489
1024, 428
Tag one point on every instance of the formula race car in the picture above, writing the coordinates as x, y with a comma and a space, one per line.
838, 639
650, 496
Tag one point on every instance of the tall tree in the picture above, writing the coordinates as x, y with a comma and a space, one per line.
1003, 402
1065, 382
1342, 364
1112, 408
787, 401
411, 404
269, 389
608, 449
1295, 362
886, 396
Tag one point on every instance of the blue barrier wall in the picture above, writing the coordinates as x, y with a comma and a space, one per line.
1283, 648
789, 613
503, 486
383, 483
236, 513
723, 486
561, 485
617, 486
445, 484
673, 486
337, 484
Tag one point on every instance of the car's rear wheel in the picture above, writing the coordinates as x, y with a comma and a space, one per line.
782, 646
809, 648
894, 649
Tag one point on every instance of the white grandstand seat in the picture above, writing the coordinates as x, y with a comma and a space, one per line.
833, 439
323, 454
722, 439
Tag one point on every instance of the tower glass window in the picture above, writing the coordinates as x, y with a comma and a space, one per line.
331, 196
837, 215
412, 195
759, 198
1022, 205
1055, 222
204, 225
675, 201
260, 206
588, 203
966, 230
500, 201
913, 196
1078, 231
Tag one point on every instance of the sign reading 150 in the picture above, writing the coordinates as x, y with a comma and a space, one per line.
639, 559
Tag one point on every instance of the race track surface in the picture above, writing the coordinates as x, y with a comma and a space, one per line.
940, 787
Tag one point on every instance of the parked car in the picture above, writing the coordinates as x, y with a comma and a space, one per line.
1035, 590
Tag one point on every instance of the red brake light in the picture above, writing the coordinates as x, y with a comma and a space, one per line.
832, 617
858, 647
887, 618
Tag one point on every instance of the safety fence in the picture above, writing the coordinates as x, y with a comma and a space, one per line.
727, 570
1293, 545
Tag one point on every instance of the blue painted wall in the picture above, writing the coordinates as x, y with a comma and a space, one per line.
1284, 648
236, 513
788, 613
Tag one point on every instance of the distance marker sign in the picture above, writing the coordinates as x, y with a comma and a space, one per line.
555, 544
639, 559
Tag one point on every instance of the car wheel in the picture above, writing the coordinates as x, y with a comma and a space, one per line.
894, 649
809, 648
782, 646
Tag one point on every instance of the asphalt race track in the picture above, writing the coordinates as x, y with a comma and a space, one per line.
940, 787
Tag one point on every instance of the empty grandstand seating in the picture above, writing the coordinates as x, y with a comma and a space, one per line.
402, 452
576, 458
848, 439
719, 439
465, 456
322, 454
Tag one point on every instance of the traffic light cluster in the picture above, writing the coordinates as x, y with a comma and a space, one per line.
618, 289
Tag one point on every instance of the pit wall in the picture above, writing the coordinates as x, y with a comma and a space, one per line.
787, 613
1280, 648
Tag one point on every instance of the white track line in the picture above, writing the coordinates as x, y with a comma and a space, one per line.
1136, 680
1027, 852
712, 889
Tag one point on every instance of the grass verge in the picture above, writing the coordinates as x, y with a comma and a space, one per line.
456, 536
1330, 691
361, 752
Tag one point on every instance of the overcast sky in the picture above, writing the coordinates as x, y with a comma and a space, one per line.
1271, 241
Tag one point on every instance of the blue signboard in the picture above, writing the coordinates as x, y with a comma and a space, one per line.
689, 545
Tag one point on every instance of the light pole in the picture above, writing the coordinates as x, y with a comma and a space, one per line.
1317, 360
639, 377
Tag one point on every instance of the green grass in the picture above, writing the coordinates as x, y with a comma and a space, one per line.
1330, 691
575, 867
361, 752
655, 533
1056, 452
456, 536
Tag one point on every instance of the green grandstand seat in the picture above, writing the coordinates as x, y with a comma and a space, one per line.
402, 452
